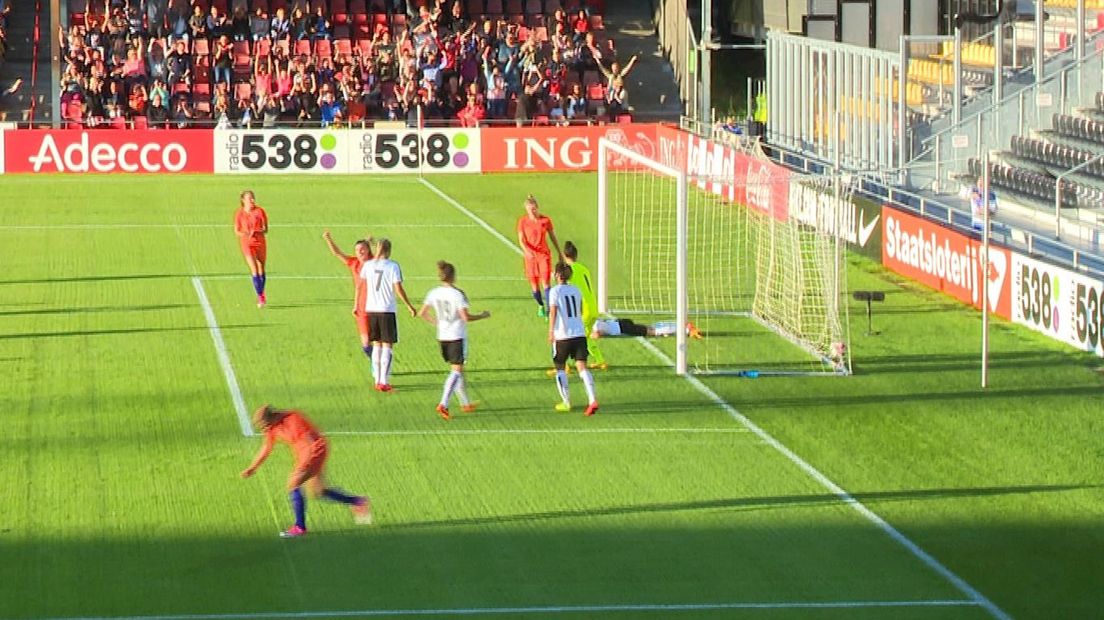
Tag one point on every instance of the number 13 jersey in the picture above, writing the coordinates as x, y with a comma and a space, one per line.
569, 312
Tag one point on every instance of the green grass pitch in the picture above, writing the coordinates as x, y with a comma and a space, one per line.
121, 446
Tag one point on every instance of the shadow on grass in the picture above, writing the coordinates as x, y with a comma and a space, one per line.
112, 278
906, 363
752, 503
93, 309
118, 331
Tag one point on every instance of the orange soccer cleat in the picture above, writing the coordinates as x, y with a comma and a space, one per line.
591, 409
443, 412
469, 408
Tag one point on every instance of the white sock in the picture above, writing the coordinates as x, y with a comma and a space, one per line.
462, 390
377, 369
588, 383
385, 365
561, 385
450, 385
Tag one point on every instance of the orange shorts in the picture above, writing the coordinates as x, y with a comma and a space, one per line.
310, 462
362, 323
258, 251
539, 268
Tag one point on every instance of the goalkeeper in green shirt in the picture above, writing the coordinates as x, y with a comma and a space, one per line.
582, 280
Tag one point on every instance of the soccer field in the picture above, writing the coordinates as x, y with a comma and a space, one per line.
128, 325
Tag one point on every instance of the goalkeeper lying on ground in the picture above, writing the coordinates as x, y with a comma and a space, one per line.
605, 327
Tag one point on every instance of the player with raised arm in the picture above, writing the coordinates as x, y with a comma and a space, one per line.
569, 338
251, 226
383, 282
450, 305
534, 231
362, 250
310, 448
582, 280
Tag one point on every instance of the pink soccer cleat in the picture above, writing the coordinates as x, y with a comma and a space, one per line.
261, 300
294, 532
591, 409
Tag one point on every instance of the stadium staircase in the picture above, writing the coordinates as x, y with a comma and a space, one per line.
20, 63
653, 90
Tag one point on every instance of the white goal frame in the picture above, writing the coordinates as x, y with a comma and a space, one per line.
682, 307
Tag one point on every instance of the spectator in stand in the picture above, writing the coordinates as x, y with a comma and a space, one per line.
156, 18
262, 76
136, 27
158, 88
223, 61
320, 27
137, 100
157, 114
182, 112
259, 24
300, 25
556, 112
455, 21
155, 53
328, 109
179, 64
217, 24
496, 90
616, 99
134, 69
580, 25
177, 20
615, 70
472, 113
115, 101
587, 56
270, 110
240, 28
533, 85
95, 102
117, 34
281, 26
576, 103
197, 23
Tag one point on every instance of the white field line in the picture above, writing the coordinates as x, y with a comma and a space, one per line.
544, 431
226, 226
550, 609
977, 597
224, 359
926, 558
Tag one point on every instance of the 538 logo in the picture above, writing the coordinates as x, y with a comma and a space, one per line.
1088, 317
407, 152
282, 151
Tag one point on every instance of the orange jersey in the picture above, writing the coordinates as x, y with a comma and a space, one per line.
534, 233
296, 430
360, 285
251, 225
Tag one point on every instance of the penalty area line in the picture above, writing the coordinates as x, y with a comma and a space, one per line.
548, 609
976, 597
223, 358
546, 431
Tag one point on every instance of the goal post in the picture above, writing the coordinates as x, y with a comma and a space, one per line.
679, 201
764, 293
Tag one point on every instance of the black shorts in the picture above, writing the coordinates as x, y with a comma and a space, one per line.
576, 348
382, 327
454, 351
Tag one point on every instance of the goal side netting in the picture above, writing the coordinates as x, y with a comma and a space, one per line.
763, 295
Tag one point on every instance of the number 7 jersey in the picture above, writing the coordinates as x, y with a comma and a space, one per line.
380, 275
569, 312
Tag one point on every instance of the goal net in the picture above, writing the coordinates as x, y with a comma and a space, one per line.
764, 295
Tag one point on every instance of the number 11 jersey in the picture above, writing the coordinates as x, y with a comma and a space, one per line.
569, 312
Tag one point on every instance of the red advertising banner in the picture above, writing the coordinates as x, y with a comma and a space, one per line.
545, 149
945, 260
133, 151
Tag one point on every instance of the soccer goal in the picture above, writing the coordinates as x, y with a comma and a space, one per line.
766, 294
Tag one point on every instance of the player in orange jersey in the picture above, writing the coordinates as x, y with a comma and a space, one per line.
251, 226
362, 251
534, 231
310, 449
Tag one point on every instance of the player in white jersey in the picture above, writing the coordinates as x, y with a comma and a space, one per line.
383, 279
450, 305
568, 335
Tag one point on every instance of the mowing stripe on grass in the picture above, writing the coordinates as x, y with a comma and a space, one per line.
224, 359
346, 277
543, 431
927, 559
550, 609
838, 491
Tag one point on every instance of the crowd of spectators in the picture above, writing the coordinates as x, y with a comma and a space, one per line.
5, 9
324, 62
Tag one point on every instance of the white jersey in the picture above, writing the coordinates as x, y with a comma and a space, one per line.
447, 302
607, 327
569, 312
380, 275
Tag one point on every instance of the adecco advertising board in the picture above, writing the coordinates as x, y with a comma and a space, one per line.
1062, 304
945, 260
344, 151
136, 151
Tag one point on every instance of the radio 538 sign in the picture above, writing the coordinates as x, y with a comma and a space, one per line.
410, 150
1062, 304
347, 151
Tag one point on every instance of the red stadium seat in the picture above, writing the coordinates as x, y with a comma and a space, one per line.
596, 23
323, 49
343, 47
262, 47
202, 70
302, 47
533, 7
118, 123
357, 6
514, 6
364, 46
285, 45
201, 47
541, 34
624, 119
201, 92
338, 7
243, 92
357, 111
